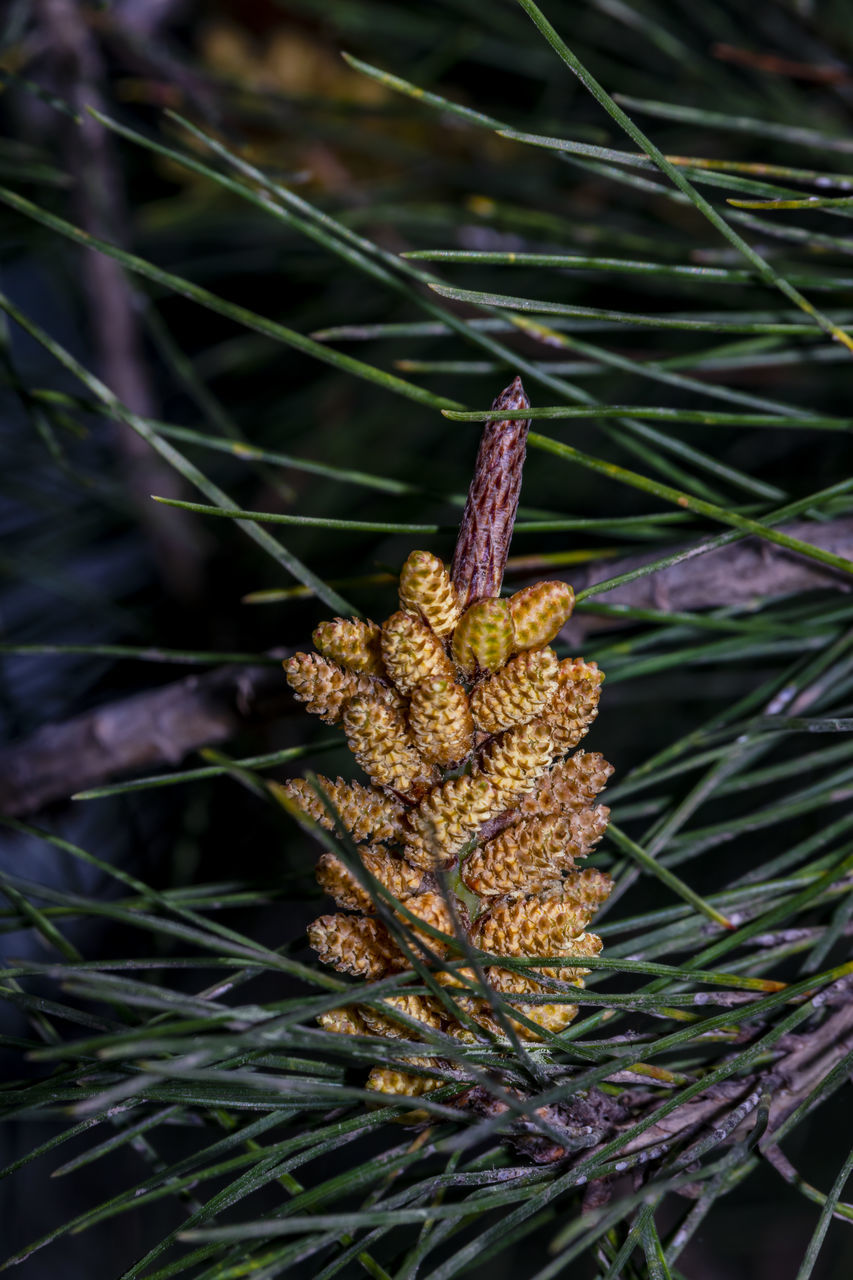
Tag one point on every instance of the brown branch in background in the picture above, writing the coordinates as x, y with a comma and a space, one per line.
164, 725
487, 522
740, 574
140, 733
778, 66
147, 17
74, 59
135, 32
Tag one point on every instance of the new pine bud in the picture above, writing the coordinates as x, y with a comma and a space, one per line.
517, 693
378, 737
351, 643
539, 612
587, 889
440, 721
422, 1009
532, 855
390, 1080
484, 637
343, 1022
432, 909
426, 592
326, 688
540, 926
412, 653
465, 990
447, 817
552, 1018
359, 945
322, 685
480, 1012
585, 944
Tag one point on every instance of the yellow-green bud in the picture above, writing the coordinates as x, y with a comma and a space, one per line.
539, 612
484, 637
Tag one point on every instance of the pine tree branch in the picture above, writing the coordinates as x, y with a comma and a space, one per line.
162, 726
738, 574
485, 532
717, 1118
146, 731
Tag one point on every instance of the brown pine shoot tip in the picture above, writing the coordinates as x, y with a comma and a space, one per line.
487, 522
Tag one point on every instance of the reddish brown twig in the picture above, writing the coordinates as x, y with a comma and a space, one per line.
778, 66
487, 522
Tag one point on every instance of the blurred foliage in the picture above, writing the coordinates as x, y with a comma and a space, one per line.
259, 193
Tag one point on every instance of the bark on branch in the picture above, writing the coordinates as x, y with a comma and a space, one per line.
485, 532
138, 734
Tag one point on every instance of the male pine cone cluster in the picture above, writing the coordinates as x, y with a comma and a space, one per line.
464, 722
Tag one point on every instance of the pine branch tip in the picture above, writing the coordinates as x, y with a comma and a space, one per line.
487, 522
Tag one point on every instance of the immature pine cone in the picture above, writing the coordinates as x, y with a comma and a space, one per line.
571, 785
326, 688
534, 854
365, 811
515, 761
466, 749
484, 637
356, 944
412, 653
574, 704
427, 592
353, 644
440, 721
379, 739
517, 693
398, 876
539, 612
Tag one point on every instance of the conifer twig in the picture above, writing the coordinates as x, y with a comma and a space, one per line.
719, 1115
487, 521
147, 730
